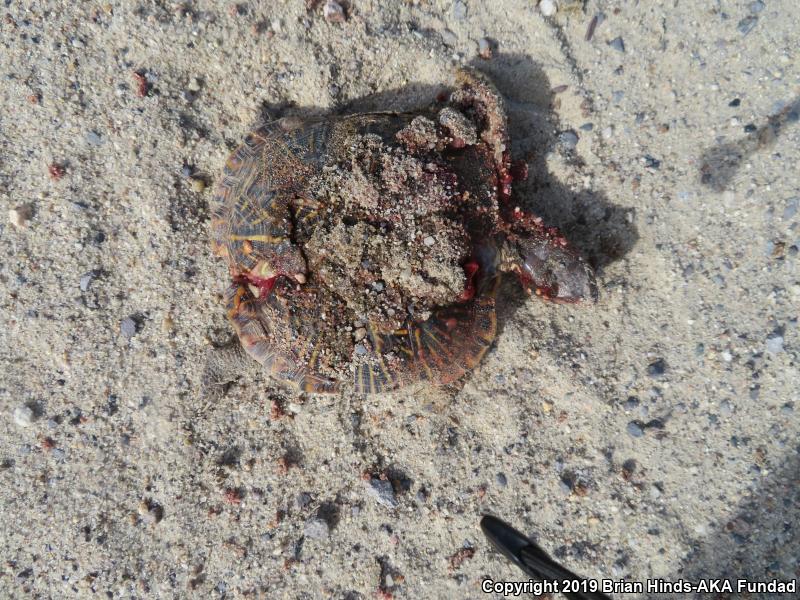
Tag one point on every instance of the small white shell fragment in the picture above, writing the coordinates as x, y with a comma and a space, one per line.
548, 7
333, 12
23, 415
20, 216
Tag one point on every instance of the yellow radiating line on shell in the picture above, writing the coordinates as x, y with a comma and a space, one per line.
420, 357
269, 239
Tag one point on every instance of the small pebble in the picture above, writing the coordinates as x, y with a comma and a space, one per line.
746, 25
429, 241
750, 128
587, 127
20, 216
607, 133
617, 44
569, 139
775, 343
150, 512
449, 38
382, 491
735, 102
651, 163
548, 8
198, 185
501, 479
333, 12
635, 429
484, 48
631, 403
628, 468
86, 280
94, 138
316, 529
459, 10
725, 408
756, 7
790, 210
657, 368
127, 327
23, 415
302, 500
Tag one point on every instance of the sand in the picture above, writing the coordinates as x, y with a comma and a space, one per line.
652, 435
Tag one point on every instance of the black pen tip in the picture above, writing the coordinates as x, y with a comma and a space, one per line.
504, 538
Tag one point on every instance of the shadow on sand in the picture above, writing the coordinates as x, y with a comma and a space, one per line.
720, 164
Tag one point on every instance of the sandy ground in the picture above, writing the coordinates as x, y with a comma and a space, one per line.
652, 435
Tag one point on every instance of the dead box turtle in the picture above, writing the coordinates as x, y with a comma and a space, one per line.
365, 250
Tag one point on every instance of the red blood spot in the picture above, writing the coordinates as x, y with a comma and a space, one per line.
56, 171
470, 269
519, 170
264, 285
276, 410
233, 496
142, 87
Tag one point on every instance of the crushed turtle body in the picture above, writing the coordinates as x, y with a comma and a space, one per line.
365, 250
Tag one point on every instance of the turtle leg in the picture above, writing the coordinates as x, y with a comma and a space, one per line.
224, 365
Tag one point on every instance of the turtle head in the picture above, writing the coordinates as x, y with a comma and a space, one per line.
548, 267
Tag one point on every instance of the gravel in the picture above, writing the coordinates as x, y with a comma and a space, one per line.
657, 368
128, 327
86, 280
774, 343
747, 24
548, 7
569, 139
382, 491
20, 216
23, 415
617, 44
316, 529
635, 429
94, 138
